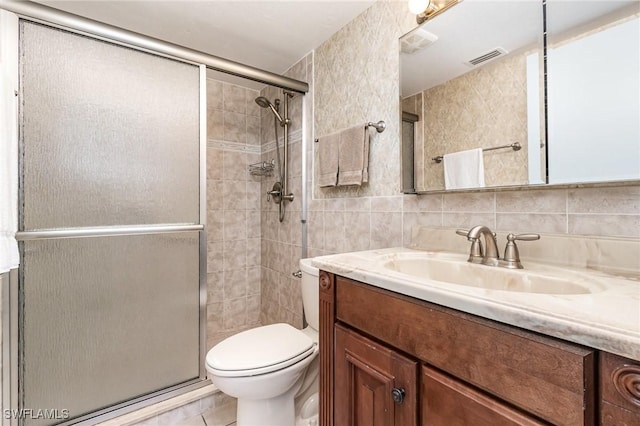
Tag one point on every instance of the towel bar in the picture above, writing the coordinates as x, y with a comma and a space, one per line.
379, 126
515, 146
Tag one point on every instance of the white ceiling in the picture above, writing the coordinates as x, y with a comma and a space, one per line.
267, 34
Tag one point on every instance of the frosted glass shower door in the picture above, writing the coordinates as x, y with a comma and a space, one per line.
110, 307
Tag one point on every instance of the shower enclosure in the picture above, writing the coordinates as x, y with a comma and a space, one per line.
107, 312
111, 225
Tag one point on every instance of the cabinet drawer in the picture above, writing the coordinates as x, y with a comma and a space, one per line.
552, 379
619, 386
449, 402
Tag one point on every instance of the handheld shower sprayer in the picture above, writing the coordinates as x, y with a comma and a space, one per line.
266, 103
279, 193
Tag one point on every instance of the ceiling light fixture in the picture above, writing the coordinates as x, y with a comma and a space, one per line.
427, 9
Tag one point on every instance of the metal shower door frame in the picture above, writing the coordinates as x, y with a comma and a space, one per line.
10, 291
58, 19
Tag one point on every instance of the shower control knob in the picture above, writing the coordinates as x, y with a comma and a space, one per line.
398, 395
275, 193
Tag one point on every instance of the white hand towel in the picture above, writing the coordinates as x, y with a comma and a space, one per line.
353, 161
464, 169
328, 149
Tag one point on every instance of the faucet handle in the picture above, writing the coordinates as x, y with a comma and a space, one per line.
511, 253
523, 237
477, 251
462, 232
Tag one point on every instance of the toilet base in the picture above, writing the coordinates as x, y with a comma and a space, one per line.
278, 411
308, 414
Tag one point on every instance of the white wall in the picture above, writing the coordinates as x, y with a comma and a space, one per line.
594, 115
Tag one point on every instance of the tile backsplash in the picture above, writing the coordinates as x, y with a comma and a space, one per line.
352, 224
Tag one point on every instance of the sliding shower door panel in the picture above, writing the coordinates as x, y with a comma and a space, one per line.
119, 323
110, 143
111, 135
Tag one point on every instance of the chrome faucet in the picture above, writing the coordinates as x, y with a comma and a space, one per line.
490, 256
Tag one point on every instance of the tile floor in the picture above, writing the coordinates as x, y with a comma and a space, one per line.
217, 416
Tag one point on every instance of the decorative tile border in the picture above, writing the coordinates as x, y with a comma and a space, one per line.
234, 146
294, 137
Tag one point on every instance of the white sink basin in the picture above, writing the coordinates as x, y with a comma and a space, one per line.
454, 269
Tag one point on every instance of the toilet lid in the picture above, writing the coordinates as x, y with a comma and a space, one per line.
259, 351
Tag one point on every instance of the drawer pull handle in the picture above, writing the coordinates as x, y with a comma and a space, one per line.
627, 382
398, 395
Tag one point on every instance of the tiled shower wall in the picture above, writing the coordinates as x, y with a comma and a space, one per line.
233, 210
356, 80
282, 241
251, 255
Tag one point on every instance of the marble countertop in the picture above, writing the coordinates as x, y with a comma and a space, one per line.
607, 318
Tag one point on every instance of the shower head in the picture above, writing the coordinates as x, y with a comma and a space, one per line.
265, 103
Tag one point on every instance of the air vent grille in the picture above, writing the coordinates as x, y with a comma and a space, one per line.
487, 57
418, 39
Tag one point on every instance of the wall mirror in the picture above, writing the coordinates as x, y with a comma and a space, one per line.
473, 78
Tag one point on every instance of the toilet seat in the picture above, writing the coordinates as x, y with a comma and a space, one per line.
260, 350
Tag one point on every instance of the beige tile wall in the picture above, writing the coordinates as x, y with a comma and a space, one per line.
233, 210
484, 108
352, 224
356, 80
282, 241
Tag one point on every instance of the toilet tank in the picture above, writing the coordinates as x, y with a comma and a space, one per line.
310, 293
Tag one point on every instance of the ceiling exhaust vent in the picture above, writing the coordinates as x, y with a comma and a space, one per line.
487, 57
418, 39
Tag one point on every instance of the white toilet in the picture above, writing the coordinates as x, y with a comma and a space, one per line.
265, 368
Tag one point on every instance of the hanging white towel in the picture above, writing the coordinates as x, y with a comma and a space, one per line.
464, 169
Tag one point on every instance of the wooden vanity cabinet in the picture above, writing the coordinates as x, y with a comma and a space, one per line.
374, 385
619, 391
468, 370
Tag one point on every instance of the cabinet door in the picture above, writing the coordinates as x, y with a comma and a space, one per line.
374, 385
449, 402
619, 391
